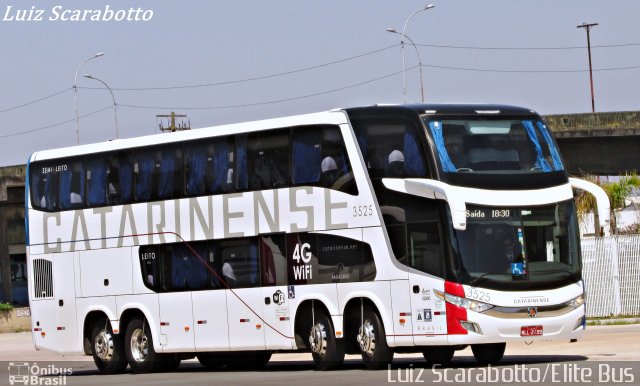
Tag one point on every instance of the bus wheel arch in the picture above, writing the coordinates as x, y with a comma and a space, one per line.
315, 331
106, 347
365, 333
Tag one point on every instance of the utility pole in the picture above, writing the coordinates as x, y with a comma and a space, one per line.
587, 27
172, 127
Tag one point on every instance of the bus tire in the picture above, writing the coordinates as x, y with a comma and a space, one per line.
326, 349
168, 362
139, 347
211, 361
372, 341
107, 349
247, 360
490, 353
439, 355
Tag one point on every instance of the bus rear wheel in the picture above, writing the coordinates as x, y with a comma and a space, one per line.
326, 349
490, 353
139, 347
439, 355
107, 349
212, 361
372, 341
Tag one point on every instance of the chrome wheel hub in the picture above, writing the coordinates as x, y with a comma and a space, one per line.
318, 339
367, 338
103, 346
139, 345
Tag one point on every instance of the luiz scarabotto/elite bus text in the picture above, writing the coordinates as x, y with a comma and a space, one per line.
60, 13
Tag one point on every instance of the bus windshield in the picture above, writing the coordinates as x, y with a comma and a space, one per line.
510, 248
499, 146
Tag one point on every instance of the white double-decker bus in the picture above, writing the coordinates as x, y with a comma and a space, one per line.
373, 230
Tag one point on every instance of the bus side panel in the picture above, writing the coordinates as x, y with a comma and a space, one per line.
401, 315
277, 336
43, 323
148, 304
65, 296
104, 304
210, 320
106, 272
176, 322
428, 312
246, 330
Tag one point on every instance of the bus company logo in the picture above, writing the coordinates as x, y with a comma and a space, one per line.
532, 311
25, 373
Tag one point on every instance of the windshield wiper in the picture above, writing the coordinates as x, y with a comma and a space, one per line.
477, 279
569, 273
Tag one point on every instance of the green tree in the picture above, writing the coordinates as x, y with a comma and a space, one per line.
618, 193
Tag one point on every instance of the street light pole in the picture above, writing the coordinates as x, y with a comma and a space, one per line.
404, 75
393, 30
587, 27
75, 92
115, 106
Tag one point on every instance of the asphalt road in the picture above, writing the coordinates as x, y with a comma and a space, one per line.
605, 354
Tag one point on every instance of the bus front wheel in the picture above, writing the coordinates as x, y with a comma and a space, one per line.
372, 342
326, 349
488, 353
439, 355
139, 347
107, 349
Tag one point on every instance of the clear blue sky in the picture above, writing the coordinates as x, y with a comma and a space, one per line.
205, 42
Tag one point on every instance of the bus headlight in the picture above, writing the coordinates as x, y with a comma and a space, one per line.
577, 302
471, 305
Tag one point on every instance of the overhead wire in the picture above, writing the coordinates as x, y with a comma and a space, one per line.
266, 102
251, 79
526, 48
37, 100
55, 124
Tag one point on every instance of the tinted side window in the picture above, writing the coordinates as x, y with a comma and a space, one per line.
44, 186
268, 159
391, 147
72, 181
238, 260
412, 226
319, 158
273, 259
158, 173
208, 167
97, 180
120, 178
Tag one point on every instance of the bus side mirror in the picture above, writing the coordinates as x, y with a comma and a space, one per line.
433, 190
602, 202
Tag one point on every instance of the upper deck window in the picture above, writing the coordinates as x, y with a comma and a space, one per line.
494, 146
390, 147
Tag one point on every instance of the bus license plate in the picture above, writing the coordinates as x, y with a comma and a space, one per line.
531, 331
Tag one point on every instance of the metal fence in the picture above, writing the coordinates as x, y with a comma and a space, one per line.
611, 272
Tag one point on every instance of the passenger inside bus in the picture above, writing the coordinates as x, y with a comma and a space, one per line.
395, 167
329, 173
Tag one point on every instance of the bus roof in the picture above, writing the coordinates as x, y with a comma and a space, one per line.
447, 109
335, 117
